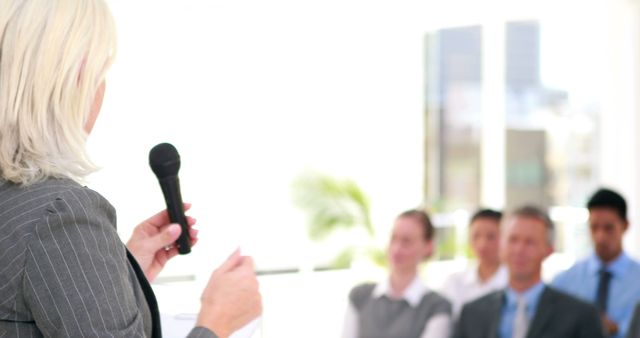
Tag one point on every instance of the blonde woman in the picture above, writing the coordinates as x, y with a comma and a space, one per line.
401, 306
63, 270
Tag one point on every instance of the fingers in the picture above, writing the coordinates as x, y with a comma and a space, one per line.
232, 262
244, 268
162, 218
248, 264
166, 237
231, 298
171, 249
191, 221
172, 253
193, 233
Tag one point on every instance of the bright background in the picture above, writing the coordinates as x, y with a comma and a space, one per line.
253, 93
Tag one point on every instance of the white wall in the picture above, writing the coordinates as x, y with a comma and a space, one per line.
252, 93
620, 123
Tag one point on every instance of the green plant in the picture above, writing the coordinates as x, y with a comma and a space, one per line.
332, 205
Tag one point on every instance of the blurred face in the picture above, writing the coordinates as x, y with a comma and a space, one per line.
408, 246
485, 240
607, 229
524, 247
95, 108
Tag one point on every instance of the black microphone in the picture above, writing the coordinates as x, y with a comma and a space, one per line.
165, 163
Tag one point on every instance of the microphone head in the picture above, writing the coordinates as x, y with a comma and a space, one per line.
164, 160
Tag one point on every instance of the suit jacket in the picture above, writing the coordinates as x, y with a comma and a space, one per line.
64, 272
634, 328
558, 316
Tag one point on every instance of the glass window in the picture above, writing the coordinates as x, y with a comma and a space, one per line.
548, 122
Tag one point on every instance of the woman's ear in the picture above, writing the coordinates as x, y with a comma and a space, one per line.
428, 249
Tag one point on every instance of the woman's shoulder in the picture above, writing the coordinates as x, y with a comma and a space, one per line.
52, 215
50, 188
82, 204
53, 196
67, 219
363, 288
72, 193
360, 293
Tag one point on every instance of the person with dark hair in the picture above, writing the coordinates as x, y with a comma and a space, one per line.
401, 306
487, 274
608, 277
527, 307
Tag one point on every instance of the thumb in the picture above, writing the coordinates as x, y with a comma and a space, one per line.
164, 238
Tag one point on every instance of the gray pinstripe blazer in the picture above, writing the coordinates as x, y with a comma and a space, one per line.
63, 269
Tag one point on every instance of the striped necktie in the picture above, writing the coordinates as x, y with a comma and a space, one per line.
521, 321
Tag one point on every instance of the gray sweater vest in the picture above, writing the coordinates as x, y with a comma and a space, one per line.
383, 317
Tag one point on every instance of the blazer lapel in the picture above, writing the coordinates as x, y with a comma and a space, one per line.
495, 308
156, 331
543, 314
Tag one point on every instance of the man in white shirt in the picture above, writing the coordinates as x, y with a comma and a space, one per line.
487, 274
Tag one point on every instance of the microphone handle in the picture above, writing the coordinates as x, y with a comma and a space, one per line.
172, 196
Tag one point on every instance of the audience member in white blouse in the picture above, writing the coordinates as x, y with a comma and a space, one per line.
486, 274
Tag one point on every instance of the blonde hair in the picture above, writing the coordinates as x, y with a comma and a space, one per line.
53, 57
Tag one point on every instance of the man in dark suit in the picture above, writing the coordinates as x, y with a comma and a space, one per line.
634, 328
528, 308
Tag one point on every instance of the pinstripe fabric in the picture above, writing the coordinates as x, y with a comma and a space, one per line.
63, 269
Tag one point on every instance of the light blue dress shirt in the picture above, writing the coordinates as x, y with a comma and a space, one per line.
532, 297
581, 281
